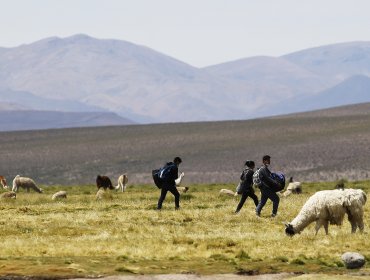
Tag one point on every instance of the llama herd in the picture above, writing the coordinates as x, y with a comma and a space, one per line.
324, 207
102, 182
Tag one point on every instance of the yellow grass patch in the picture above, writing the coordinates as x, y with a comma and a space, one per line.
81, 236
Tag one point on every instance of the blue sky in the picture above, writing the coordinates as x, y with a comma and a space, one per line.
198, 32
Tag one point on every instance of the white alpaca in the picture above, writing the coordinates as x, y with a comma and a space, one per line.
25, 183
293, 187
58, 195
330, 206
122, 183
3, 182
182, 189
103, 195
228, 192
178, 182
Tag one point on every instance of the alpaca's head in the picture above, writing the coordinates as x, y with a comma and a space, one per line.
289, 230
297, 190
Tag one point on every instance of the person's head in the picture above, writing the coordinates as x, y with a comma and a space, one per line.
250, 164
177, 161
266, 160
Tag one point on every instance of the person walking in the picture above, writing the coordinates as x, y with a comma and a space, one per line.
266, 186
169, 174
246, 185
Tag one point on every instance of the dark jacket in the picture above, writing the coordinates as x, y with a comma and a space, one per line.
246, 181
265, 176
174, 174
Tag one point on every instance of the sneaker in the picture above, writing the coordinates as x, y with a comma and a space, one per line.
258, 214
273, 215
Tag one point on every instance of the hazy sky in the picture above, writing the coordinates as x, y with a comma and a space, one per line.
198, 32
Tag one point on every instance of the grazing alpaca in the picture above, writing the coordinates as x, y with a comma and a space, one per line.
228, 192
104, 182
179, 180
182, 189
8, 195
340, 185
330, 206
59, 195
122, 183
25, 183
3, 182
103, 194
178, 183
293, 187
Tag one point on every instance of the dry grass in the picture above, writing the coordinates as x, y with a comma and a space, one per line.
81, 236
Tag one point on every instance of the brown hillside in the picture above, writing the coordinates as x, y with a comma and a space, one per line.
322, 145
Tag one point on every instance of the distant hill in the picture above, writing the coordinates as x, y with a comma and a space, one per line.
26, 119
322, 145
354, 90
33, 102
81, 73
338, 61
360, 109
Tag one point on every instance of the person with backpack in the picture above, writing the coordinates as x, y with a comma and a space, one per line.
246, 185
266, 186
168, 174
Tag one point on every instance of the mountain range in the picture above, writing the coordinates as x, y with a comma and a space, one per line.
84, 74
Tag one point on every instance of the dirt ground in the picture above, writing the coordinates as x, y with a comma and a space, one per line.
197, 277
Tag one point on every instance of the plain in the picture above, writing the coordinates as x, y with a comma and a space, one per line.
325, 145
85, 237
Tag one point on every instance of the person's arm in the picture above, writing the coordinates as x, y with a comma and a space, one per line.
179, 179
249, 177
174, 173
266, 178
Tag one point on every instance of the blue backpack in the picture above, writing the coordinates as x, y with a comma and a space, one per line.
280, 178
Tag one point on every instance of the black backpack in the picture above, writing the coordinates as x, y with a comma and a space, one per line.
256, 178
157, 180
162, 175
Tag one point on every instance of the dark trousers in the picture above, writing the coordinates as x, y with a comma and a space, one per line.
244, 197
172, 190
268, 193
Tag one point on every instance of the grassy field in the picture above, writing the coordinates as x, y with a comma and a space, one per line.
83, 237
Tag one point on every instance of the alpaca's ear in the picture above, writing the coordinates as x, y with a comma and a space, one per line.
286, 224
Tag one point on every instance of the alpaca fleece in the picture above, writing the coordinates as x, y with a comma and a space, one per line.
25, 183
330, 206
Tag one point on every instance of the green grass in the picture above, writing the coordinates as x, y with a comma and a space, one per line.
80, 236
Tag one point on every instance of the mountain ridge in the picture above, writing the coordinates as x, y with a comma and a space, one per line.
146, 86
15, 119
